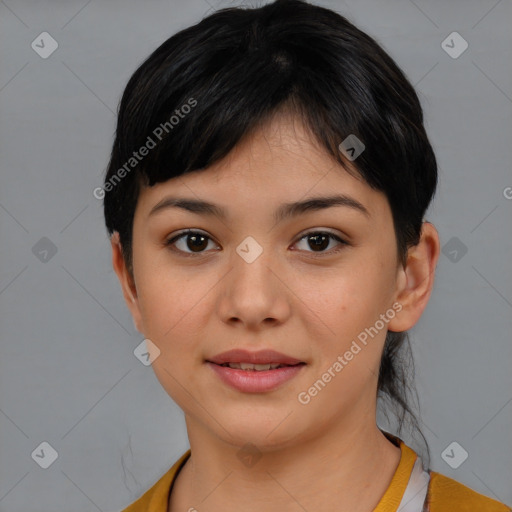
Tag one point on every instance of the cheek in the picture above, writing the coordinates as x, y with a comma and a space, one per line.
161, 301
347, 306
174, 311
174, 308
348, 296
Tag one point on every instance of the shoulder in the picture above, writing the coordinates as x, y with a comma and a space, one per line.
448, 495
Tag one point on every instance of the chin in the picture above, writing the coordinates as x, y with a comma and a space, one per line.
267, 430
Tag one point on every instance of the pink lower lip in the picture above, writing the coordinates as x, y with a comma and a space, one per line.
250, 381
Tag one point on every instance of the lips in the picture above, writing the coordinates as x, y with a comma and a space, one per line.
254, 372
251, 360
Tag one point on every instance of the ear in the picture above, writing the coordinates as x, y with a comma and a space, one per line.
127, 281
416, 280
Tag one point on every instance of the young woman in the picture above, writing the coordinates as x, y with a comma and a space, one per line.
266, 196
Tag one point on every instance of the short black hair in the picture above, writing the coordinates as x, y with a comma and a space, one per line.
212, 84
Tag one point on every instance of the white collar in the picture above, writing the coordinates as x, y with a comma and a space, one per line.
415, 493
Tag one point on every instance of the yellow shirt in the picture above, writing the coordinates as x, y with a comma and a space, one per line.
444, 494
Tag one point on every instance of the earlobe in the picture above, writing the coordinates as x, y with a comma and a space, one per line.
415, 282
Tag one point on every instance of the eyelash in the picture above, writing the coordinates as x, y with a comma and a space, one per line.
171, 241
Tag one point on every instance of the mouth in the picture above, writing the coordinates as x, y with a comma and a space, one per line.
254, 372
258, 361
256, 367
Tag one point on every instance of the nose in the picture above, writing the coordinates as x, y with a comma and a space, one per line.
254, 293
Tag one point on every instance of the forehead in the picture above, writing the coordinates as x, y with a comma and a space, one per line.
279, 162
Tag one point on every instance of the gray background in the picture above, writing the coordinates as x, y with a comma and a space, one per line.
68, 375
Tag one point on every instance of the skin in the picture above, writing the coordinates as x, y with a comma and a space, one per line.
304, 302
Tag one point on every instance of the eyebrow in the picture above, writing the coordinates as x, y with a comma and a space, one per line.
285, 211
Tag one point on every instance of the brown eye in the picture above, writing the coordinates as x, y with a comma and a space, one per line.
318, 241
191, 242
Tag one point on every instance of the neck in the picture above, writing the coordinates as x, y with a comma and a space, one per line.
347, 470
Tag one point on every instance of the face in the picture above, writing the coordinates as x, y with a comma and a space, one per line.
309, 284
